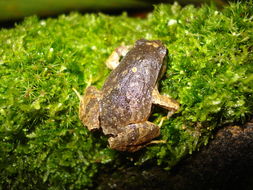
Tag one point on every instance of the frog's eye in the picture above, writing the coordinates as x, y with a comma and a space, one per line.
162, 51
140, 42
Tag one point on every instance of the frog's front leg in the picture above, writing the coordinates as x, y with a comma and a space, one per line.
113, 60
165, 102
90, 108
134, 136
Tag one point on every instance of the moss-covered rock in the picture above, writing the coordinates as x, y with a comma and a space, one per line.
44, 145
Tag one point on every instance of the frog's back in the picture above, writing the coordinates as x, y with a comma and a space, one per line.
127, 93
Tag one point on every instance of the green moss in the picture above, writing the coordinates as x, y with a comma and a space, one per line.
44, 145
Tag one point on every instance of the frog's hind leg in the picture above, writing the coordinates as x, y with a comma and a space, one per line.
89, 108
134, 137
114, 59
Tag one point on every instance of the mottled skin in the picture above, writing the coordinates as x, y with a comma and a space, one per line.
123, 106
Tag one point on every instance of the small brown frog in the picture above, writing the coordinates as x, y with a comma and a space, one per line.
123, 105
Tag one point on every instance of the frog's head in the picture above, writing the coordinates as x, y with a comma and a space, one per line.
157, 44
158, 47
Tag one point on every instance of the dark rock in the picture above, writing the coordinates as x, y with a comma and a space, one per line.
226, 163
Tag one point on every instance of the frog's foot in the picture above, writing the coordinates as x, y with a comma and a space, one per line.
113, 60
165, 102
89, 108
134, 137
161, 121
157, 142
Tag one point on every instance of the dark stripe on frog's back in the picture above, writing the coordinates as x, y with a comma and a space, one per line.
127, 91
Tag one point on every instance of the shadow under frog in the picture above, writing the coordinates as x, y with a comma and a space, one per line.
123, 105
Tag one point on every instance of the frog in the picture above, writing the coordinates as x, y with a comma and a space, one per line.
122, 107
